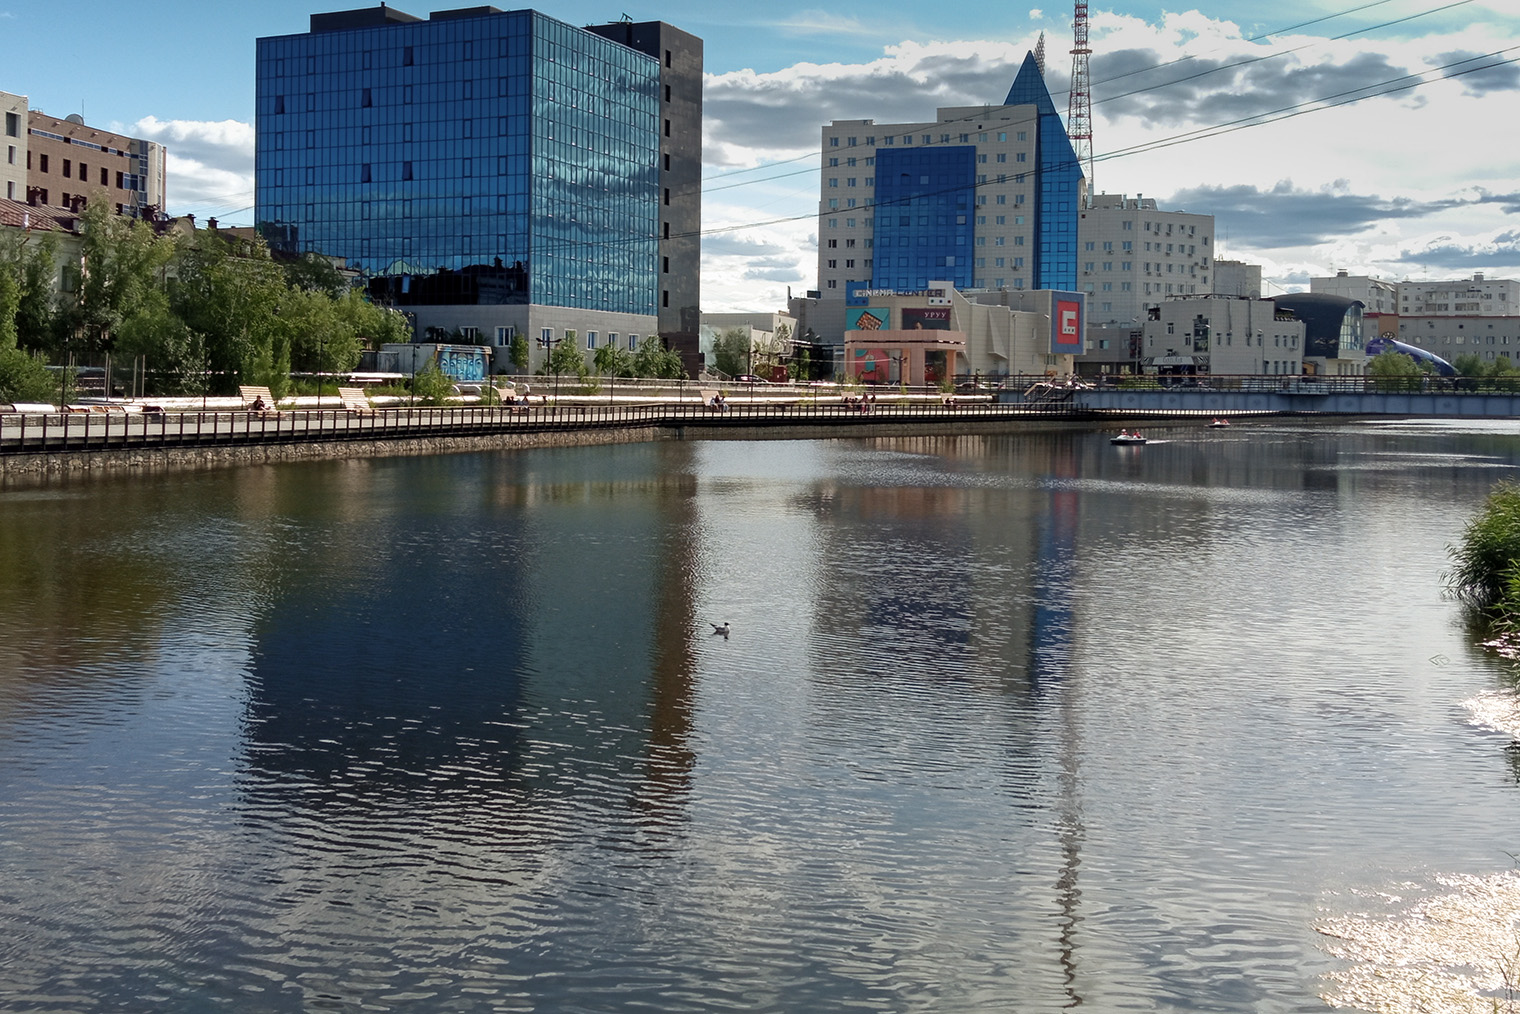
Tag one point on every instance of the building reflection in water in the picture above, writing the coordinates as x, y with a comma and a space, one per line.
462, 638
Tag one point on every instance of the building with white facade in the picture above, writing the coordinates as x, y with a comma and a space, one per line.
980, 197
1375, 295
1488, 338
1223, 335
1237, 278
1478, 297
13, 168
1132, 255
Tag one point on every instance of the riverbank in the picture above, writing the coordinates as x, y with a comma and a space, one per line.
239, 438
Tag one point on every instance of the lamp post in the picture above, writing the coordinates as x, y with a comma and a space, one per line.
547, 344
901, 361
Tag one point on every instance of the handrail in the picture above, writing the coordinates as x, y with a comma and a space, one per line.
90, 431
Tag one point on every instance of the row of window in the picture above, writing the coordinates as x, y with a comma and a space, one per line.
124, 181
547, 338
907, 139
74, 140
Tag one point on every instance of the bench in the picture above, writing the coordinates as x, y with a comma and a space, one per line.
252, 395
354, 399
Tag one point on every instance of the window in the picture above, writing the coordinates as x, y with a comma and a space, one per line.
633, 342
504, 335
42, 163
612, 339
590, 339
12, 124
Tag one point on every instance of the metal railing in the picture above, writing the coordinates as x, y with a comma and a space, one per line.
53, 433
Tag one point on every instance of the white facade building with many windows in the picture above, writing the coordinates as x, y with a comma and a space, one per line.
1131, 256
1478, 297
1223, 335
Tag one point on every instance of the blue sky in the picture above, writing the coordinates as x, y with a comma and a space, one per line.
1423, 182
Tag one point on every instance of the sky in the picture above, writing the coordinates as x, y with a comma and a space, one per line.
1377, 137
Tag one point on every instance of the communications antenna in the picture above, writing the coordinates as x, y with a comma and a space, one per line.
1079, 108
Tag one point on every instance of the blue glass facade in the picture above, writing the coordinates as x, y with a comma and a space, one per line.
473, 158
1058, 184
925, 200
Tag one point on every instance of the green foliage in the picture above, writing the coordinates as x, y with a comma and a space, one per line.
1395, 371
653, 359
25, 377
566, 357
519, 352
432, 386
126, 261
1486, 563
156, 333
311, 272
731, 351
30, 262
611, 361
1470, 364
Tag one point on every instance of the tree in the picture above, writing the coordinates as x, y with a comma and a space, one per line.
566, 357
610, 361
311, 272
31, 261
1395, 371
122, 261
731, 351
771, 352
431, 385
239, 304
518, 352
653, 359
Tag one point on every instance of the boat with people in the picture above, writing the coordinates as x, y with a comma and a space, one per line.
1126, 437
1219, 424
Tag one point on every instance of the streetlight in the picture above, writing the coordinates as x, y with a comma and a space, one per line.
902, 381
547, 344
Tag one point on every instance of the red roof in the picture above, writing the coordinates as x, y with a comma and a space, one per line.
18, 216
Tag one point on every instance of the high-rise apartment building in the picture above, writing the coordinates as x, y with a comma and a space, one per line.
982, 197
1478, 296
66, 163
492, 173
1375, 295
1134, 255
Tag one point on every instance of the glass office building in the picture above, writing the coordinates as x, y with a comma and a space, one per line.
476, 157
925, 208
1058, 183
982, 197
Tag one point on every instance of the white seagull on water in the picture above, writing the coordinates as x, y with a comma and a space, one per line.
717, 629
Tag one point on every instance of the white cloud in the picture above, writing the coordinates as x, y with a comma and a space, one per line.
210, 165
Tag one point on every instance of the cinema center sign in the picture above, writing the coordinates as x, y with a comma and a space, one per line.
936, 297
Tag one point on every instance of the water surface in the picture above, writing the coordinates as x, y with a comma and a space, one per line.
1004, 723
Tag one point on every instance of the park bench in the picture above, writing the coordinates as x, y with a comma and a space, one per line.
354, 399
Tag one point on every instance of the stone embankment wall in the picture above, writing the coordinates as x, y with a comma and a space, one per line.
138, 459
222, 455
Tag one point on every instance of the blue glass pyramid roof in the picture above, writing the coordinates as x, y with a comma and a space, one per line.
1029, 88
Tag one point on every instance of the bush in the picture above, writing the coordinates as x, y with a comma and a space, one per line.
1486, 563
432, 386
23, 377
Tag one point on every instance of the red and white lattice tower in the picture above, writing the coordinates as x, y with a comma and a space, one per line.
1079, 109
